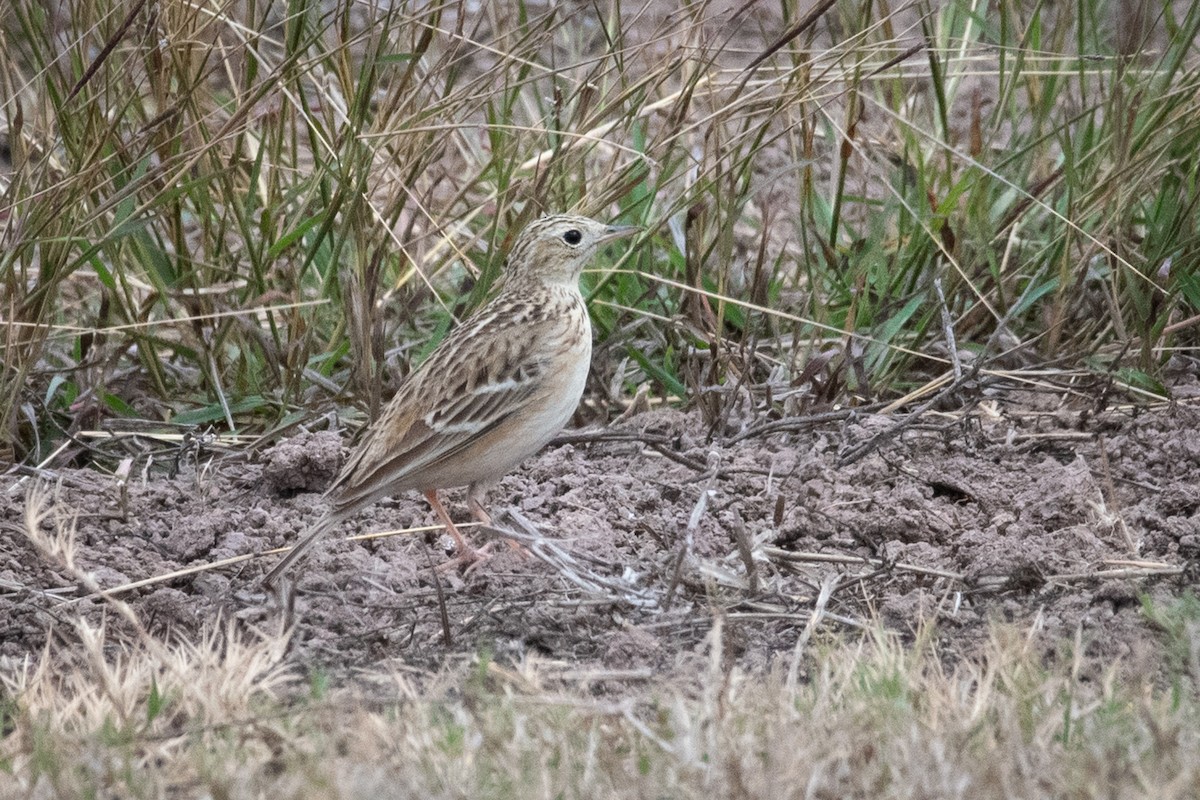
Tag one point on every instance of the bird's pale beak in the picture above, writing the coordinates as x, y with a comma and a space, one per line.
617, 232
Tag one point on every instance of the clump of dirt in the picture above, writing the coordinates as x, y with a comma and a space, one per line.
305, 463
1055, 521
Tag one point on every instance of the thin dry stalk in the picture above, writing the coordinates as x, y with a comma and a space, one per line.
519, 529
829, 585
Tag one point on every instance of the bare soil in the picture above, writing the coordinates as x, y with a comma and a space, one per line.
1058, 520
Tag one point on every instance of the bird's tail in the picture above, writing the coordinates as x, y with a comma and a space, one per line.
318, 529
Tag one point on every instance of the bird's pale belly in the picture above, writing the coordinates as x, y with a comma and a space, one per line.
524, 433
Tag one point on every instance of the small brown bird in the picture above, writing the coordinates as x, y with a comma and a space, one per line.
490, 395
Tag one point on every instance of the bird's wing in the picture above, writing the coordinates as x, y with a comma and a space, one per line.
431, 418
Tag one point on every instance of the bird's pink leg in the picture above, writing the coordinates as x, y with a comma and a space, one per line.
466, 555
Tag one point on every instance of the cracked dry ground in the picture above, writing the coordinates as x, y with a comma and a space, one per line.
1058, 521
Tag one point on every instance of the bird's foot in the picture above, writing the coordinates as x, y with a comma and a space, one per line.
466, 560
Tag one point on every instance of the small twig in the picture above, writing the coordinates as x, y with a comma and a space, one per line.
676, 575
876, 441
228, 562
1051, 436
1114, 504
714, 459
876, 563
566, 564
1139, 564
443, 611
107, 50
792, 424
828, 586
746, 552
41, 472
948, 328
609, 435
122, 475
803, 24
1143, 569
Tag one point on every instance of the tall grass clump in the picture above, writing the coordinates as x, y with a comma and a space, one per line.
245, 215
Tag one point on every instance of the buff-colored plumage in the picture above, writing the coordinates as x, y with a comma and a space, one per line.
490, 395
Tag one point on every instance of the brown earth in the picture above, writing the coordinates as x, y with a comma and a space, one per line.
1056, 520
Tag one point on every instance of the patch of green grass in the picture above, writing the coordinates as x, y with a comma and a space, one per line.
1179, 622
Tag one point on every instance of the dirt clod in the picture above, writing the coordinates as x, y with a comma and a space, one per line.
305, 463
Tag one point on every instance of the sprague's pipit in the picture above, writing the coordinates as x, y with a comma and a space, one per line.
490, 395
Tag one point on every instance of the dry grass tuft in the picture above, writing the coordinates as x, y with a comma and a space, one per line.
872, 717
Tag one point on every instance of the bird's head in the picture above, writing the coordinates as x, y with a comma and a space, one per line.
555, 249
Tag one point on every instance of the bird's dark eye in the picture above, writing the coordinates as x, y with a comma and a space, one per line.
573, 237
